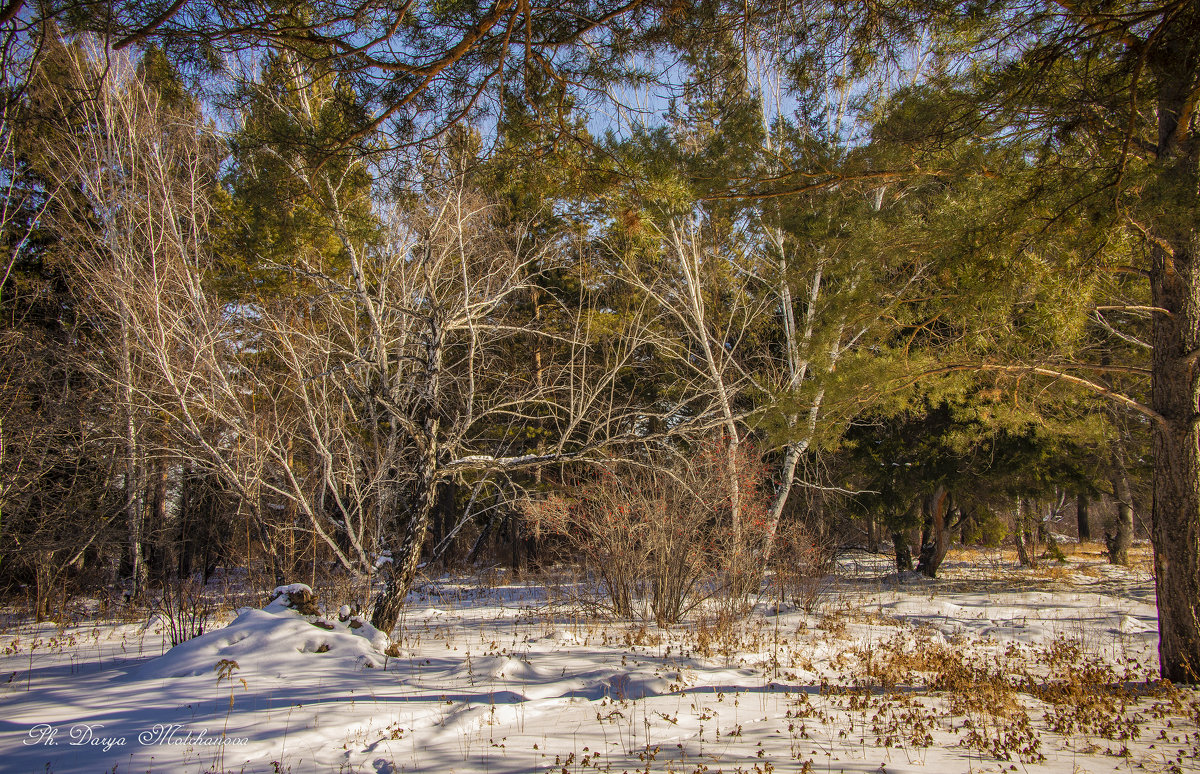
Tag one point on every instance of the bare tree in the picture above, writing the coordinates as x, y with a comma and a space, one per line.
709, 308
352, 405
20, 205
435, 354
128, 207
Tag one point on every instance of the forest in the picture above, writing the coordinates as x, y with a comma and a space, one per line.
689, 296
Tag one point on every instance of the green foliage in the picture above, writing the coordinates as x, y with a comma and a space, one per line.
888, 251
984, 527
277, 223
977, 443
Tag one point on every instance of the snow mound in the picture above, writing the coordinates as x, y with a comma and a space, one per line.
291, 588
506, 668
562, 637
277, 642
1127, 624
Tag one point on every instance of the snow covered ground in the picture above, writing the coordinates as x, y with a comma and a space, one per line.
991, 668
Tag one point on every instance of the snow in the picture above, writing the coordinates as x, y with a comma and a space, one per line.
501, 679
265, 643
487, 459
291, 588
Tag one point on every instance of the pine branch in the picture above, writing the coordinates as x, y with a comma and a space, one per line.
1096, 387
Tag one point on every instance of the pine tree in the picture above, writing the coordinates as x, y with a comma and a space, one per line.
1093, 105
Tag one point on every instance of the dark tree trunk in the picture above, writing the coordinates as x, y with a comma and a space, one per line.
158, 544
423, 499
185, 542
514, 540
904, 562
1120, 539
405, 560
484, 534
937, 537
1084, 527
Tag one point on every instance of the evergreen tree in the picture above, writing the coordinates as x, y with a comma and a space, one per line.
1084, 194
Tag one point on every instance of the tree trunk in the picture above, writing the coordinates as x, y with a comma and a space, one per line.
1175, 379
695, 316
514, 540
1022, 535
134, 491
1119, 541
485, 533
1175, 523
160, 546
43, 574
937, 539
1046, 535
405, 560
1082, 502
407, 556
904, 562
799, 369
185, 541
447, 495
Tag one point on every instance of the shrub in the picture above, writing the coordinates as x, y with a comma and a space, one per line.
657, 536
800, 565
184, 609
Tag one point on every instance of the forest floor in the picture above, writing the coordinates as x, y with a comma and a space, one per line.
989, 668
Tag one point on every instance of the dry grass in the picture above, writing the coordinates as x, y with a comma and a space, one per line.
1004, 705
1088, 560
